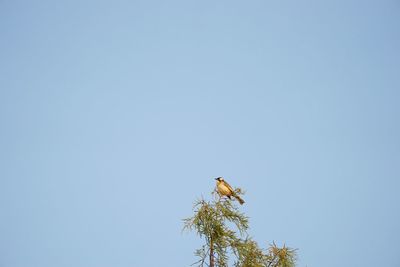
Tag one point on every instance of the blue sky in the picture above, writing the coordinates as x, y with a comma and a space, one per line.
115, 116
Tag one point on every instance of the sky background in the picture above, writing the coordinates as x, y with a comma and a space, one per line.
115, 116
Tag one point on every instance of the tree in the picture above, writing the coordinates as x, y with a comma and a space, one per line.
224, 229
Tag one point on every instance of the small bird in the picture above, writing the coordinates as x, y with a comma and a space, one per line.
224, 189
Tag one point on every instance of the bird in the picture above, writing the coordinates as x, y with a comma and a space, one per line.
224, 189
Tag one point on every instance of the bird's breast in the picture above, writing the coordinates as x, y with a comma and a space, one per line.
223, 189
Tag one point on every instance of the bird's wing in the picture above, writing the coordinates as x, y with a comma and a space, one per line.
230, 187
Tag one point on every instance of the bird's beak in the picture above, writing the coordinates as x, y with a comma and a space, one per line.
216, 178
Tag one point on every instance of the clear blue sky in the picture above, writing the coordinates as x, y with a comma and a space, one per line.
115, 116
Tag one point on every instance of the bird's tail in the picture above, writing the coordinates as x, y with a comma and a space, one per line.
241, 201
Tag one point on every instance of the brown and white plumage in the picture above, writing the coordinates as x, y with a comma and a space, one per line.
224, 189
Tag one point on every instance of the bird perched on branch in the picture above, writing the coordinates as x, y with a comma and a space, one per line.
224, 189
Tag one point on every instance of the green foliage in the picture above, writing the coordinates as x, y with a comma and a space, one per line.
224, 229
281, 257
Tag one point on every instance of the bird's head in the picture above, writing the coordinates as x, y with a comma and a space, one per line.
219, 179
